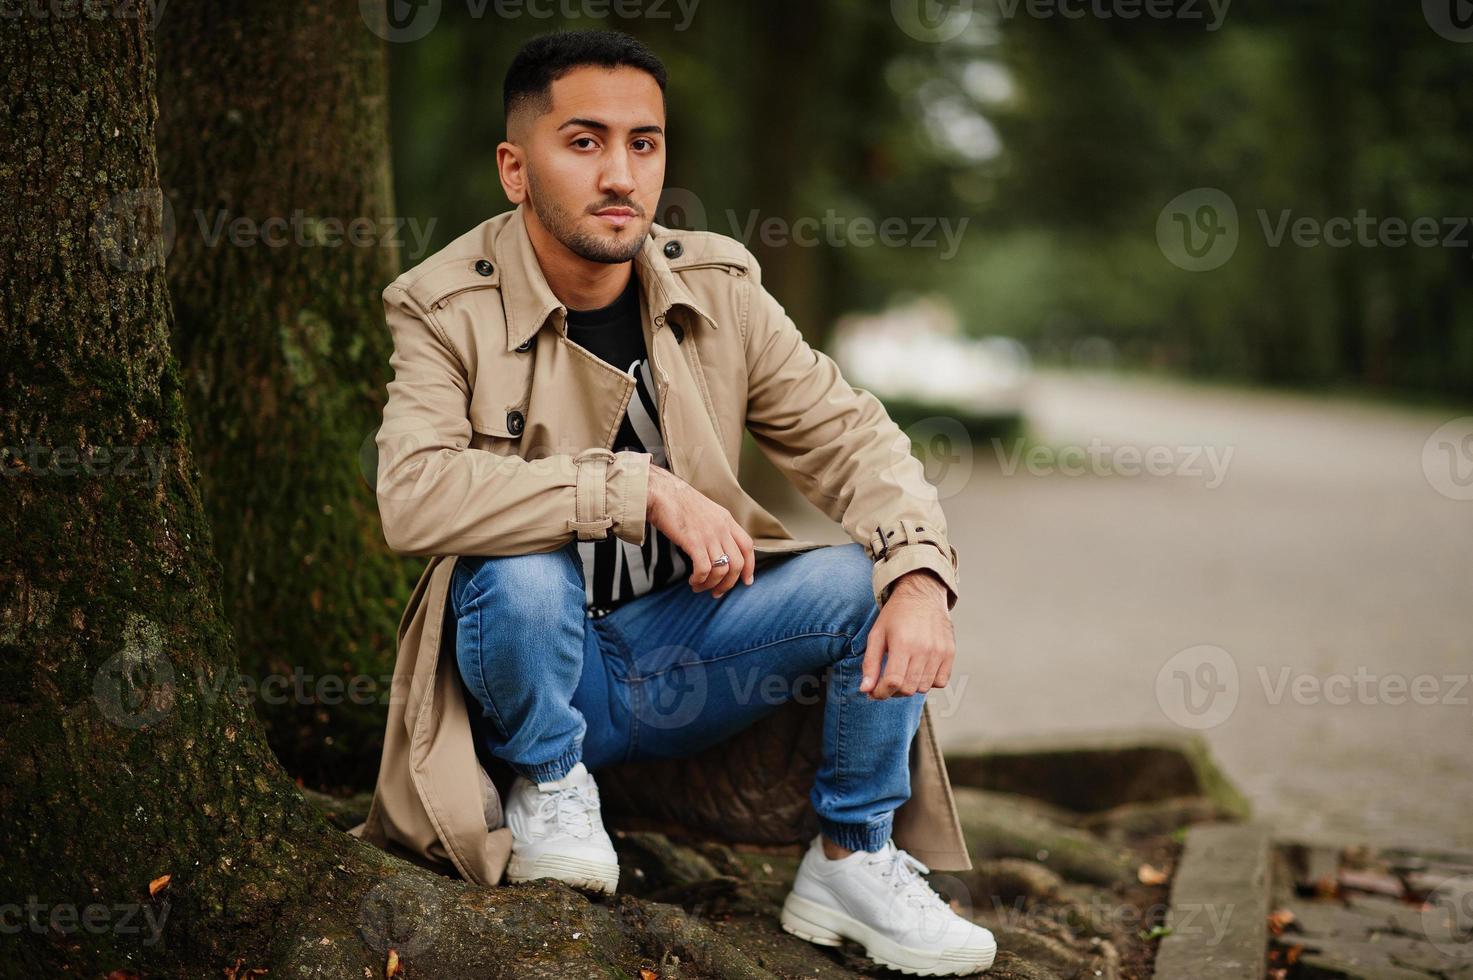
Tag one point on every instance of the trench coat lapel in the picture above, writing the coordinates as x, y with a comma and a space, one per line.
558, 423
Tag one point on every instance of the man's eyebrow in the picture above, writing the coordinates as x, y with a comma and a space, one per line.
603, 127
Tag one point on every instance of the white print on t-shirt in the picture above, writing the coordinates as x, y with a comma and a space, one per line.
639, 560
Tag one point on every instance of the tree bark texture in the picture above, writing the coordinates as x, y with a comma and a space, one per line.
274, 151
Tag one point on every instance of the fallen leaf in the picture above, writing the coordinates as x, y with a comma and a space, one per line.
645, 973
1148, 875
1279, 920
158, 884
392, 968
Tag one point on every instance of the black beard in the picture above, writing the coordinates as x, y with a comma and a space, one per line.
561, 225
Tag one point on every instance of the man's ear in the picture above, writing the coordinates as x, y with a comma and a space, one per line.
511, 167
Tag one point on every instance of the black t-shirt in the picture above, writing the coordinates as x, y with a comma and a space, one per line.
614, 570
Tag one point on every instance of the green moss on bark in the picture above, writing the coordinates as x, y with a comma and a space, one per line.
273, 125
124, 763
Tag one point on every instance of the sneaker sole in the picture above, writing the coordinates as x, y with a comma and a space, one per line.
596, 876
820, 924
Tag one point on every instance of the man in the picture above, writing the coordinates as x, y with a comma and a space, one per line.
571, 383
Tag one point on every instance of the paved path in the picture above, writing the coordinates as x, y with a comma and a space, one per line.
1321, 562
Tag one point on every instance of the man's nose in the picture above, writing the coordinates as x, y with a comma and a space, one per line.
617, 177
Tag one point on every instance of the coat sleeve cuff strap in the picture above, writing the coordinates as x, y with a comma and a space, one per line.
592, 519
904, 546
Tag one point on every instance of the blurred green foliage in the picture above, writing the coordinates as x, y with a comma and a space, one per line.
1058, 140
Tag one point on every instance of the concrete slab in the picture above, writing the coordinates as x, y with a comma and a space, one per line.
1219, 906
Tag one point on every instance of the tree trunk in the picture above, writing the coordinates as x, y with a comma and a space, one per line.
273, 146
127, 755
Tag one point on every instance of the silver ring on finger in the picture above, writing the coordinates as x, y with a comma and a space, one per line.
722, 560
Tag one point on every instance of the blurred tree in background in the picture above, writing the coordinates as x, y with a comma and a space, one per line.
273, 148
1059, 140
1297, 110
776, 111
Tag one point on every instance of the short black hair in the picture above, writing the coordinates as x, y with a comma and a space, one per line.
547, 57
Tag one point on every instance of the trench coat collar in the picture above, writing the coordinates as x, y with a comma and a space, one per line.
529, 301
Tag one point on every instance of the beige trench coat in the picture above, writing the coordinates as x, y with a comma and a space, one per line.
495, 441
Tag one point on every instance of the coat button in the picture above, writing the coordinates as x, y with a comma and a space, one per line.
673, 250
514, 422
484, 267
524, 346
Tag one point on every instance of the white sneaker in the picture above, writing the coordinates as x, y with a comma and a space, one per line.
557, 831
879, 900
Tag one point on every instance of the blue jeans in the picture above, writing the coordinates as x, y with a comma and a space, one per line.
674, 671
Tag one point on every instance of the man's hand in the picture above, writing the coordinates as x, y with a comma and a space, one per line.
703, 529
915, 636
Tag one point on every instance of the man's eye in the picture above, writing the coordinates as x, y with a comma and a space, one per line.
583, 142
647, 144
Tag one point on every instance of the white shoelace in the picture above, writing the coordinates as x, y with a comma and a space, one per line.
904, 872
568, 809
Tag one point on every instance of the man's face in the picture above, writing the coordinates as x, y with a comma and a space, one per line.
595, 163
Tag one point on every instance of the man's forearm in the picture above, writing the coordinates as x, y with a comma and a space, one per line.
924, 583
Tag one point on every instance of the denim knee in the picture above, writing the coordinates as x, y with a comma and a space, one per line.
519, 645
527, 589
838, 578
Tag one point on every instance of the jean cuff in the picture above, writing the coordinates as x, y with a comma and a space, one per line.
859, 836
556, 769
